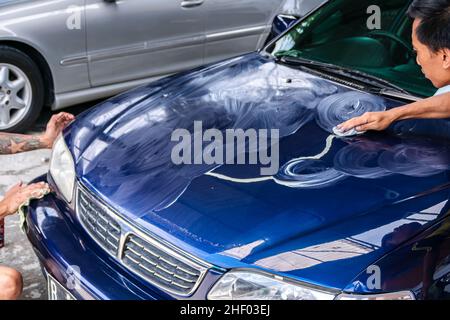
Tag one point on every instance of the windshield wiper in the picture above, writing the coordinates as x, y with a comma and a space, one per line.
382, 85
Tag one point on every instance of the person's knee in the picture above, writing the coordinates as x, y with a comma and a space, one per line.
10, 284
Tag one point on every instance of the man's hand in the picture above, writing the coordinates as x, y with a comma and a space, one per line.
19, 194
369, 121
54, 127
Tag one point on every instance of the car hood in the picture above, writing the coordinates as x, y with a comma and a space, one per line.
335, 206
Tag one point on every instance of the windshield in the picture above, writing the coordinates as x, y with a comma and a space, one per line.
370, 36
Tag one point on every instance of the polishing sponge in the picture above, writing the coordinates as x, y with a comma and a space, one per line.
348, 133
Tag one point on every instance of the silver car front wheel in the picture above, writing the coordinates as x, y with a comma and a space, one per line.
22, 90
15, 95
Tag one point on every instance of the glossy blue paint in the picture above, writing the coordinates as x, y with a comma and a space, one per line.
337, 205
421, 264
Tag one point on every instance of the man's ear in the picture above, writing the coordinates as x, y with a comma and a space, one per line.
446, 58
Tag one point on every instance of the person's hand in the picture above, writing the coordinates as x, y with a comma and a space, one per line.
369, 121
54, 127
19, 194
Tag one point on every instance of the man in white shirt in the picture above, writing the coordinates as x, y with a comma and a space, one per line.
431, 42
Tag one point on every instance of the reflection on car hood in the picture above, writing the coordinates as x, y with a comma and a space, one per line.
335, 206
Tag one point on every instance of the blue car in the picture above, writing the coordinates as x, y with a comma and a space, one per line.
343, 217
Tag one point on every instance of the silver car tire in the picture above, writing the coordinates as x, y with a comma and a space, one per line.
21, 90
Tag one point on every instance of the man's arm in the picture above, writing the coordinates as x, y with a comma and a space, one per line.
14, 143
437, 107
19, 194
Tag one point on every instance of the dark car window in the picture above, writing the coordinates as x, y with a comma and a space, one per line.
338, 33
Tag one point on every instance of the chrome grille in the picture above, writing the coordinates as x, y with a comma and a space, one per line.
101, 226
160, 267
158, 263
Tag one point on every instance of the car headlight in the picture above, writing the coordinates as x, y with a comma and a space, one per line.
247, 285
62, 168
401, 295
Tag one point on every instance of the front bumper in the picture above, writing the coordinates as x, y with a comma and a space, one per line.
62, 246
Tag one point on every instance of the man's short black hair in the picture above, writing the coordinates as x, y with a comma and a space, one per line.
434, 29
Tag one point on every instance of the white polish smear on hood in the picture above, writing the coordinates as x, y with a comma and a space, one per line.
290, 175
341, 107
415, 160
311, 172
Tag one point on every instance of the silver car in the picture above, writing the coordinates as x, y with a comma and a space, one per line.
59, 53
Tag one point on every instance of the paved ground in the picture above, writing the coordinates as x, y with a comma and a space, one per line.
17, 252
